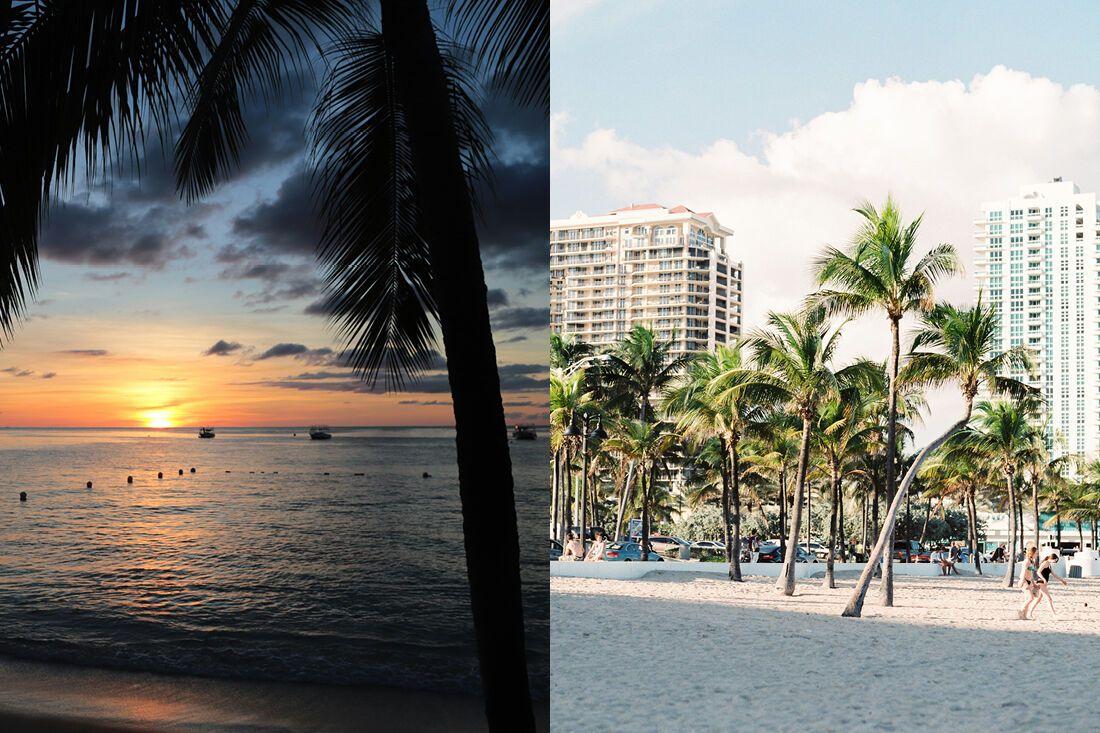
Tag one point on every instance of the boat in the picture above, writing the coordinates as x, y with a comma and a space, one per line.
206, 433
319, 432
522, 432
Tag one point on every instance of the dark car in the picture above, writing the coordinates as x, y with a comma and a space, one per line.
555, 550
628, 552
771, 553
916, 552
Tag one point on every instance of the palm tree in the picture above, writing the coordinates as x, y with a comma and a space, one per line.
568, 397
636, 370
841, 428
794, 356
877, 274
567, 351
953, 345
398, 142
780, 435
648, 445
718, 397
958, 472
1003, 431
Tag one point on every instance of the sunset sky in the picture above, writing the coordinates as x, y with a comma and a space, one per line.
152, 313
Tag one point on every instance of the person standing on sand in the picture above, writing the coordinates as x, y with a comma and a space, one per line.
1029, 581
595, 552
1046, 571
574, 548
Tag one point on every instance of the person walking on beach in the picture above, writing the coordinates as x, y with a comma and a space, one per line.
1046, 572
595, 552
1029, 581
574, 548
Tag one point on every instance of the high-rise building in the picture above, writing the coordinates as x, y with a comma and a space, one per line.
1036, 258
667, 269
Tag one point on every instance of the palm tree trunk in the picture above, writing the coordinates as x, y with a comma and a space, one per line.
782, 511
1080, 534
1035, 509
555, 502
647, 486
972, 520
567, 495
628, 486
583, 504
1058, 524
484, 465
840, 523
735, 500
855, 603
863, 539
1010, 572
786, 578
726, 519
891, 458
927, 516
830, 579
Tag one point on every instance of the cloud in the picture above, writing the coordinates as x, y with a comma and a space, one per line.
287, 224
318, 308
521, 317
223, 348
496, 297
85, 352
513, 378
513, 340
106, 277
940, 147
17, 372
49, 375
87, 234
302, 352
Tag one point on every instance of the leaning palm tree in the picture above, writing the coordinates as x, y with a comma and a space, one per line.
794, 356
719, 397
398, 143
877, 273
953, 345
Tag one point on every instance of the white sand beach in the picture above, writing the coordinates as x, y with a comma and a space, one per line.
691, 652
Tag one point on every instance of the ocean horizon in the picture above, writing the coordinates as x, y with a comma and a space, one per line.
279, 559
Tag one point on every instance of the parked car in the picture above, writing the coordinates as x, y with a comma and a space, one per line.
916, 552
708, 545
770, 553
555, 550
661, 543
628, 552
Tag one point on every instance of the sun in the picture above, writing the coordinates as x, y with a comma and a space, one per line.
157, 419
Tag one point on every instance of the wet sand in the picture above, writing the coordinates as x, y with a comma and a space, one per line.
47, 697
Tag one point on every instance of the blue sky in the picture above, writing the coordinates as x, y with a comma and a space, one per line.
780, 117
725, 68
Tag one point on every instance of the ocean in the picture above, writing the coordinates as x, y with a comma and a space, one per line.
280, 558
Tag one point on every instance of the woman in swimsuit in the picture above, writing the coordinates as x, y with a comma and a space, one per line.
1029, 581
1046, 571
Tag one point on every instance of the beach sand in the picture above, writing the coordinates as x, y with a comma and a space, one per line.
48, 697
700, 653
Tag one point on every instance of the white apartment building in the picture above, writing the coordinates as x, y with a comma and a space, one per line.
1036, 258
665, 268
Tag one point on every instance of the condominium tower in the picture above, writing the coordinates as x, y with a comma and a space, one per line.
647, 264
1036, 258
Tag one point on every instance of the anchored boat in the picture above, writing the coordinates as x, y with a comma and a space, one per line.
206, 433
522, 432
319, 432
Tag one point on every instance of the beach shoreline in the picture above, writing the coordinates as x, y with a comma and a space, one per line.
40, 696
694, 652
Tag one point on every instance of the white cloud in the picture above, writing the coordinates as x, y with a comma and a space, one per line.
939, 147
564, 11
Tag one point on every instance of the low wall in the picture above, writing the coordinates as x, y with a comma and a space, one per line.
635, 570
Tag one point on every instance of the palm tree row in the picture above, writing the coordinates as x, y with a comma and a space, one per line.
774, 411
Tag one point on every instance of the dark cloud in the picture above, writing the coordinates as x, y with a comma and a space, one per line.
318, 308
530, 317
49, 375
223, 348
513, 340
496, 297
424, 402
515, 216
17, 372
286, 225
321, 355
108, 235
513, 378
85, 352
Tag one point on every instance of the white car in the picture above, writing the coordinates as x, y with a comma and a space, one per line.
709, 545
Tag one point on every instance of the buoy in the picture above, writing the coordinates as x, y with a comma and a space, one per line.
252, 472
326, 473
23, 497
192, 469
129, 479
274, 471
229, 472
89, 484
358, 474
426, 475
160, 474
181, 472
